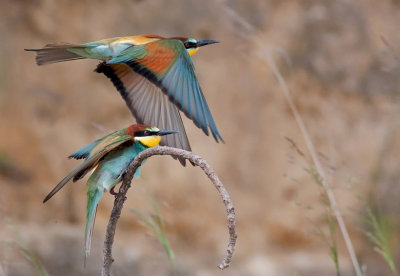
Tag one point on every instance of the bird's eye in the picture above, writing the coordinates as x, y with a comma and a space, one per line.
189, 44
146, 132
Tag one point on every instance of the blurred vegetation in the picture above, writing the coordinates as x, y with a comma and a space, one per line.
155, 222
31, 257
381, 232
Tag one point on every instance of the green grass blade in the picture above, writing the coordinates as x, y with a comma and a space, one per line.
380, 233
156, 223
31, 257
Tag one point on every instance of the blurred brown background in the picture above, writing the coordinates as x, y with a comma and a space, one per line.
343, 71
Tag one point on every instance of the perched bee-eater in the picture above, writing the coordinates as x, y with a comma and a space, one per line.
154, 75
108, 158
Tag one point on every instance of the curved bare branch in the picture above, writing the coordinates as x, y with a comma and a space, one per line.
126, 183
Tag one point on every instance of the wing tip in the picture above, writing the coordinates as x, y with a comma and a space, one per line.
78, 156
31, 49
217, 136
182, 161
220, 139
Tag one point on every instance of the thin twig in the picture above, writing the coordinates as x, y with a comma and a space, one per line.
126, 183
252, 36
317, 163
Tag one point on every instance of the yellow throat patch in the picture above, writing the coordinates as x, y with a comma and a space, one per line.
192, 51
149, 141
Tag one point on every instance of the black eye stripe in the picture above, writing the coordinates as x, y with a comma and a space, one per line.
190, 44
144, 133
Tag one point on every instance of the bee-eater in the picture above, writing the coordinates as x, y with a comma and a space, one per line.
154, 75
108, 158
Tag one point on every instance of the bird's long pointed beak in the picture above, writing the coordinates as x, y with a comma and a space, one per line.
206, 42
166, 132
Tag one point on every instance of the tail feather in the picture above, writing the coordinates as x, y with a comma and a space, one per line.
92, 202
52, 53
64, 181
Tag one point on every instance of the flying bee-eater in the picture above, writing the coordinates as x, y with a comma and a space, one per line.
154, 75
108, 159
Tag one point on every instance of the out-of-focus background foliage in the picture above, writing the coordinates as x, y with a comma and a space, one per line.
341, 60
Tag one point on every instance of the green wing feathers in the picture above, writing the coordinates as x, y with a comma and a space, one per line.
132, 52
87, 150
94, 160
88, 164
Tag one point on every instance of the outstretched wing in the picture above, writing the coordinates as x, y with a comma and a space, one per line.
148, 105
167, 65
88, 164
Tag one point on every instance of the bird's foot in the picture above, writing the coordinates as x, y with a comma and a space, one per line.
113, 192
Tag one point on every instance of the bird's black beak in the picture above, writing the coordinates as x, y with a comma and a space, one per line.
166, 132
206, 42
